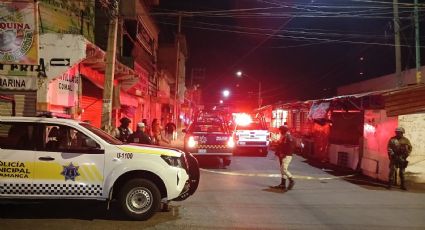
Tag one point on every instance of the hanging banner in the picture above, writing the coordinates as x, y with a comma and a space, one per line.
319, 110
18, 37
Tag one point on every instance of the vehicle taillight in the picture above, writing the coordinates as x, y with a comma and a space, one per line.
231, 143
191, 143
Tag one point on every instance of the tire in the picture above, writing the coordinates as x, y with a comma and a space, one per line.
226, 161
140, 199
195, 174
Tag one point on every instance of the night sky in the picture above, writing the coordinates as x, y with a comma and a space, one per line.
298, 49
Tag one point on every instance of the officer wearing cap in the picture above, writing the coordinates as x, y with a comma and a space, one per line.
399, 148
123, 131
140, 135
284, 152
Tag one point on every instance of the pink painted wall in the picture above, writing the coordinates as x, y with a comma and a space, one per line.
378, 130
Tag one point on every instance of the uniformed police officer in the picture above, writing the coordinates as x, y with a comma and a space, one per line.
123, 132
399, 148
284, 152
140, 136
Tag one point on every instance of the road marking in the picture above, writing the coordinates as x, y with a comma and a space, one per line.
275, 175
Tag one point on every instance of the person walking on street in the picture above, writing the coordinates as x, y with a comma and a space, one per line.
399, 148
284, 152
123, 131
157, 137
170, 129
140, 136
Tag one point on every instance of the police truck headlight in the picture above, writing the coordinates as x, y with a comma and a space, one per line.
231, 143
191, 143
172, 161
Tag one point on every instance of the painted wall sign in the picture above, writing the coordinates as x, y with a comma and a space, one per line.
64, 89
68, 17
60, 62
18, 83
18, 37
24, 70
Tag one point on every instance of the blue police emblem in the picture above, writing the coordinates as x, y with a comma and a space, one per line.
70, 172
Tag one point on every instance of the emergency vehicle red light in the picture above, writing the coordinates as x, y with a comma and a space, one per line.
243, 119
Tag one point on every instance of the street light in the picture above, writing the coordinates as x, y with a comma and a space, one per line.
226, 93
239, 74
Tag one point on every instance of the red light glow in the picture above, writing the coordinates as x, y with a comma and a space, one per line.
369, 128
243, 119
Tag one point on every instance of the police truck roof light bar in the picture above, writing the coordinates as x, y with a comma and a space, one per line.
243, 119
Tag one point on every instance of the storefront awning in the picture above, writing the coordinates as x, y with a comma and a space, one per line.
94, 66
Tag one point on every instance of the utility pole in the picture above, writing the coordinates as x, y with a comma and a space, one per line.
418, 51
176, 117
110, 68
397, 44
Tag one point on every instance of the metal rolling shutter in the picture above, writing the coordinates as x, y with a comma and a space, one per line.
7, 106
92, 110
25, 102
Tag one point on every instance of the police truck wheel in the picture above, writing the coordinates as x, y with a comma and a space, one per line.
140, 199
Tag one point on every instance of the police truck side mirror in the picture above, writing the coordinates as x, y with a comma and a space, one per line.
90, 143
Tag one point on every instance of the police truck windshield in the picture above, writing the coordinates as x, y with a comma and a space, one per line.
102, 134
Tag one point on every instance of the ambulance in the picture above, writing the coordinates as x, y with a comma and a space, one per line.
52, 158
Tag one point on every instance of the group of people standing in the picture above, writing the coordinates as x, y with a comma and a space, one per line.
145, 134
399, 149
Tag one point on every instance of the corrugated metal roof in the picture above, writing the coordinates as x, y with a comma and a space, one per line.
406, 100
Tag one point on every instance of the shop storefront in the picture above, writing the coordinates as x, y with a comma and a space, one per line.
21, 89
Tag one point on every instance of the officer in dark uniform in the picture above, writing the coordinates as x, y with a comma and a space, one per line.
284, 152
140, 136
123, 132
399, 148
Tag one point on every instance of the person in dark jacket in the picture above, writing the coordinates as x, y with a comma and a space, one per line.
284, 152
140, 135
170, 129
123, 131
399, 148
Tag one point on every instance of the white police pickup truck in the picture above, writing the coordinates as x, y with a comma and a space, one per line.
252, 136
50, 158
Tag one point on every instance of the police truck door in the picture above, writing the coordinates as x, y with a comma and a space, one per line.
16, 158
71, 164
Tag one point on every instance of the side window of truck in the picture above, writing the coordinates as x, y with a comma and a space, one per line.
16, 135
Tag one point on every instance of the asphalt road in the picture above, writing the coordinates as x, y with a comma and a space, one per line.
239, 197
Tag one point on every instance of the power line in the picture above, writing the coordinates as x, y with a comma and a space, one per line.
297, 38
